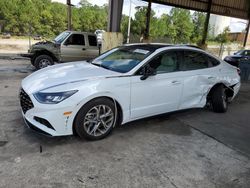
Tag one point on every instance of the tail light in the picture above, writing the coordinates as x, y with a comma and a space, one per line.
238, 70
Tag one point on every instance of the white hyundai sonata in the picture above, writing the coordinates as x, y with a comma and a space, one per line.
124, 84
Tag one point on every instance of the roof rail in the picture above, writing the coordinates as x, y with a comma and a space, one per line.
189, 45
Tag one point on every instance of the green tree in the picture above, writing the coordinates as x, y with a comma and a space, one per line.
182, 25
198, 19
124, 26
138, 24
224, 36
93, 17
162, 27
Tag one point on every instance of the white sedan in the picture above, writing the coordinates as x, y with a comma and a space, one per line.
122, 85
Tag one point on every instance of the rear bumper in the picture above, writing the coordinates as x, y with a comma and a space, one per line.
236, 89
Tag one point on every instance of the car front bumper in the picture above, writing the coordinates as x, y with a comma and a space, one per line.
47, 119
28, 55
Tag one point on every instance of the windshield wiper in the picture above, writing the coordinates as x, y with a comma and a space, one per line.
100, 65
96, 64
90, 61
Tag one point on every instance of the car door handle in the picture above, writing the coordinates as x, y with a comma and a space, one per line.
83, 49
176, 82
211, 77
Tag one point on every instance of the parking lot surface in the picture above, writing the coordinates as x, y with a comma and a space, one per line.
193, 148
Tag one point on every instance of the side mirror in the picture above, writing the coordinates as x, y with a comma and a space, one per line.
147, 71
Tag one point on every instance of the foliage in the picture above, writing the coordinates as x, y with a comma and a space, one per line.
198, 19
178, 26
223, 37
182, 25
46, 18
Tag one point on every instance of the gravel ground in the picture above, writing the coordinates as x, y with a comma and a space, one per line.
185, 149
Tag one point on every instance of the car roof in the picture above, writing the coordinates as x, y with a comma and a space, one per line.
155, 46
80, 32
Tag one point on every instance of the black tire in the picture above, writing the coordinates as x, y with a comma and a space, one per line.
219, 99
80, 119
43, 61
32, 60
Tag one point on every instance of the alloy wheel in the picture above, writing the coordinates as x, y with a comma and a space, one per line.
98, 120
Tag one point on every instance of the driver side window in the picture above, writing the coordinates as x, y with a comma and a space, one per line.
165, 63
76, 39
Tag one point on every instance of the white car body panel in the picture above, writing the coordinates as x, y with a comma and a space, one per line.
137, 98
148, 97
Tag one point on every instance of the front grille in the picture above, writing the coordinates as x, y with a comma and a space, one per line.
25, 101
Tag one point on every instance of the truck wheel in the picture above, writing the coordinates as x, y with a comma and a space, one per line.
219, 100
32, 60
43, 61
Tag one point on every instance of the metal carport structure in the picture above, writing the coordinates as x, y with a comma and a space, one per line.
232, 8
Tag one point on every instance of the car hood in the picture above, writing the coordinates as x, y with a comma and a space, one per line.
63, 74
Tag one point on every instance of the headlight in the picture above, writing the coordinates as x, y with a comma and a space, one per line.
53, 98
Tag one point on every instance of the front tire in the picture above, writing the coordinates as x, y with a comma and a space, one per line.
219, 99
96, 119
43, 61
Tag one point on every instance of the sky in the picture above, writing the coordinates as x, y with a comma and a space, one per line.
236, 25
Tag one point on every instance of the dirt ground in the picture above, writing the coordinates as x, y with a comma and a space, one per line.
194, 148
15, 46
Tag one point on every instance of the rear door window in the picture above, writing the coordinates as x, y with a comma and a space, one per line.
165, 62
92, 40
212, 61
193, 60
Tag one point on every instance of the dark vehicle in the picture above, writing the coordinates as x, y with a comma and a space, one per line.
239, 56
6, 36
37, 37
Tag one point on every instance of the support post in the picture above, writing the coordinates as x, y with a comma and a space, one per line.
115, 15
129, 21
205, 30
146, 34
69, 15
113, 37
246, 35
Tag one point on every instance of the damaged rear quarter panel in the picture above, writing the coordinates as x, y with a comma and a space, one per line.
198, 83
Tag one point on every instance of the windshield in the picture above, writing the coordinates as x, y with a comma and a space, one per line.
122, 59
239, 52
60, 38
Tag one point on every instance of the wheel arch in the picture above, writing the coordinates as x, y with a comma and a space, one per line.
229, 90
45, 52
117, 105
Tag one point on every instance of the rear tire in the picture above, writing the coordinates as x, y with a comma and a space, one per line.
96, 119
43, 61
219, 99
